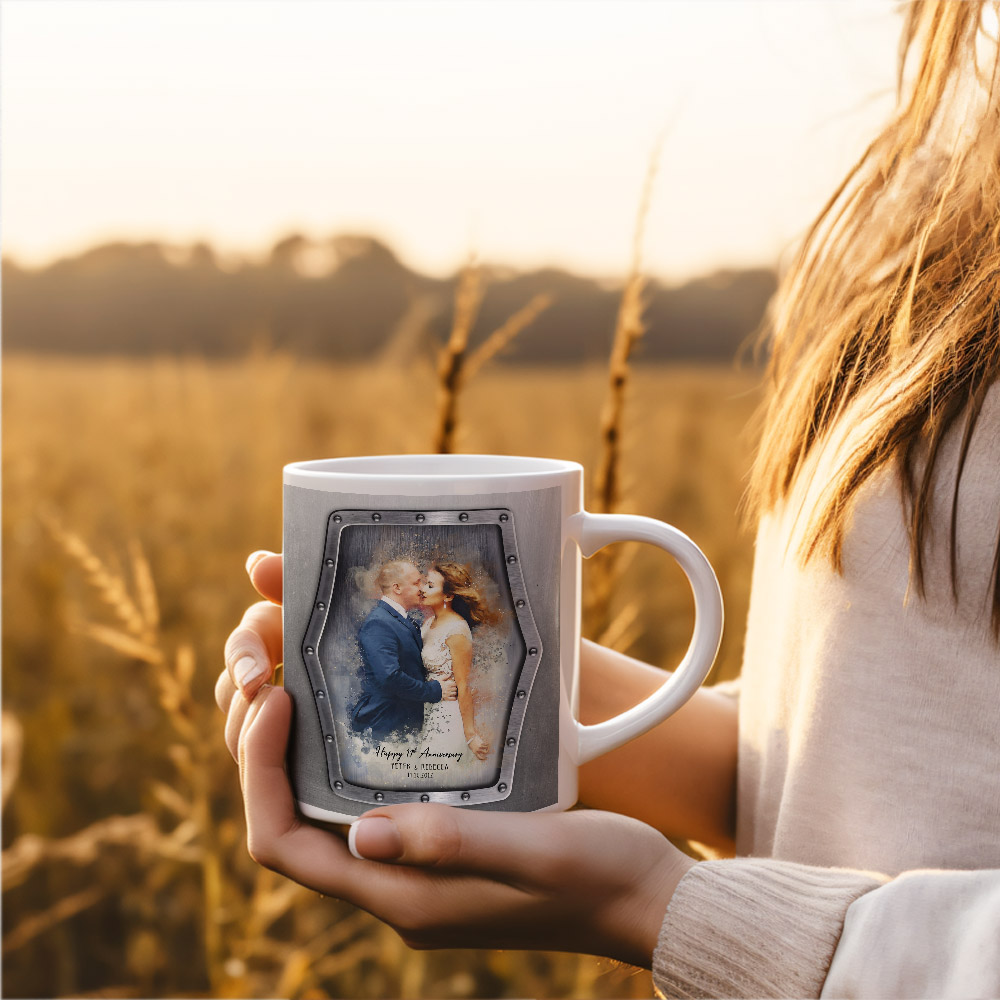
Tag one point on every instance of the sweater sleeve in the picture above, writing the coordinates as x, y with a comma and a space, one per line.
752, 927
764, 928
924, 934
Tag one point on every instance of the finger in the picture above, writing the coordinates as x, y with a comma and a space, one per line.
236, 717
236, 707
266, 574
224, 690
515, 848
253, 650
276, 837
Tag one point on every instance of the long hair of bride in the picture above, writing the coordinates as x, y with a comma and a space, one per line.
466, 598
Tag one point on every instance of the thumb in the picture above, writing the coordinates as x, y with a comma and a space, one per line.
265, 571
510, 847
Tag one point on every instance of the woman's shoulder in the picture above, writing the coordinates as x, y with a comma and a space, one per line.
458, 626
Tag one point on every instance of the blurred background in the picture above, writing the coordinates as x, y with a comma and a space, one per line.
238, 234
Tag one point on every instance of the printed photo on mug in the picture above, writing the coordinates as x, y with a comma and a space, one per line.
423, 640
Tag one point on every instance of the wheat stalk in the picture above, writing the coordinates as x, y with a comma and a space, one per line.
348, 958
456, 365
148, 603
81, 848
506, 333
629, 329
139, 638
110, 586
121, 642
273, 897
69, 906
12, 736
468, 298
407, 343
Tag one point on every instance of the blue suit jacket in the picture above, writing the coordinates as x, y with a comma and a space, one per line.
393, 689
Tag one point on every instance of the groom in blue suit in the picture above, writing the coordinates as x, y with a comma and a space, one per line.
393, 689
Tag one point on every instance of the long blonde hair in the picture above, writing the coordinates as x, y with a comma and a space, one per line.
466, 597
895, 289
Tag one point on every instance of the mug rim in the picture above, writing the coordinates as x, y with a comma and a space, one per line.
423, 467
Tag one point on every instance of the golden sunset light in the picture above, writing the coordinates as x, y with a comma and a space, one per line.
500, 498
521, 130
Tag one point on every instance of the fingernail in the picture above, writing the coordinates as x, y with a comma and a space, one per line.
245, 670
380, 840
255, 557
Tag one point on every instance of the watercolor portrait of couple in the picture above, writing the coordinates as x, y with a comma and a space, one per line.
421, 656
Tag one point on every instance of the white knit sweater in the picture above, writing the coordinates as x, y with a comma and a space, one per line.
868, 839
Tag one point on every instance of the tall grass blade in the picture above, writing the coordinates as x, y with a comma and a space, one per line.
468, 298
504, 335
109, 585
148, 603
12, 735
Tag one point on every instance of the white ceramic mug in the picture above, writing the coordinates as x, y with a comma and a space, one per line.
375, 646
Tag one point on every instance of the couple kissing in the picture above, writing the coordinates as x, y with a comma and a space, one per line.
415, 679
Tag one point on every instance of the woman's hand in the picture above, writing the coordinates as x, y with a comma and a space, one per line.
581, 881
689, 760
479, 746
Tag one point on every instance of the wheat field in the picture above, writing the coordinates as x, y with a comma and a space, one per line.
133, 492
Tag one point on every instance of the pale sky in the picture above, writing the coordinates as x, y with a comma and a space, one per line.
521, 129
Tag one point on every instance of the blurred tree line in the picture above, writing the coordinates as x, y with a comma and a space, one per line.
346, 297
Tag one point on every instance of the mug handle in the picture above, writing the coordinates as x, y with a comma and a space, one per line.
591, 533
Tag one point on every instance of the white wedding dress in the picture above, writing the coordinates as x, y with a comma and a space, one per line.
443, 729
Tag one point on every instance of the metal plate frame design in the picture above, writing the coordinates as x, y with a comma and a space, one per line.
322, 605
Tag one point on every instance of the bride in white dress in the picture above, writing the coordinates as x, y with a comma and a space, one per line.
455, 604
